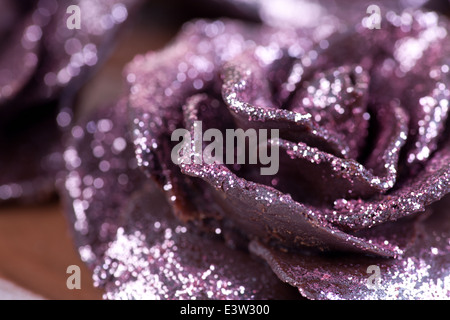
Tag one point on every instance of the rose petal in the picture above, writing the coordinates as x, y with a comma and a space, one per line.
258, 211
430, 185
422, 273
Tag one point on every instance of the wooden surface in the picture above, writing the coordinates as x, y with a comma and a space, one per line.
35, 250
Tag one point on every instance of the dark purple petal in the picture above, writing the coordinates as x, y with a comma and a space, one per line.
423, 272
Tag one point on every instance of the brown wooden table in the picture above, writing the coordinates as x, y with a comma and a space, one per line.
35, 250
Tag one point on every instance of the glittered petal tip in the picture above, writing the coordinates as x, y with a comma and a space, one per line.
430, 185
239, 91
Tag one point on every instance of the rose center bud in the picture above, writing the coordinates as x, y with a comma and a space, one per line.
337, 101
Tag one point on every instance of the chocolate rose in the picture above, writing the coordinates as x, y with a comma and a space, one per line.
363, 158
